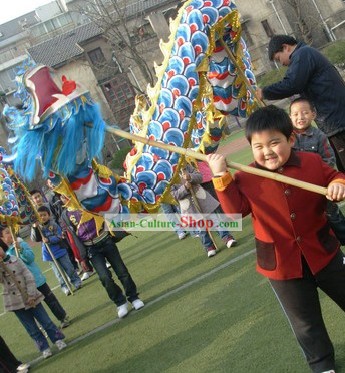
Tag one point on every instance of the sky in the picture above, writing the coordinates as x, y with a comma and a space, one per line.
16, 8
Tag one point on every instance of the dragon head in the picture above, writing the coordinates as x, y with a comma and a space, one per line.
50, 113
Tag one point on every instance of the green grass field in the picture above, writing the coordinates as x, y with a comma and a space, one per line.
201, 315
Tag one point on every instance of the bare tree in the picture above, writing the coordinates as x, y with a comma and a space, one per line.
112, 17
305, 21
302, 23
3, 127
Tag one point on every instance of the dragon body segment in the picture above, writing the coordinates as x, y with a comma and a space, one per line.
197, 86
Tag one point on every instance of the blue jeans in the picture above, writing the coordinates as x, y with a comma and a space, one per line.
205, 237
28, 317
67, 266
171, 212
107, 249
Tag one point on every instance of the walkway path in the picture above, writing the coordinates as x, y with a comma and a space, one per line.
233, 146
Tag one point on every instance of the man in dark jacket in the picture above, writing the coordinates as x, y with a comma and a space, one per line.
311, 75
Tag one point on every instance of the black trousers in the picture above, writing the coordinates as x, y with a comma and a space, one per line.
52, 302
300, 301
8, 362
338, 144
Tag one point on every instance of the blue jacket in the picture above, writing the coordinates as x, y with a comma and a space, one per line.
310, 74
28, 257
314, 140
53, 232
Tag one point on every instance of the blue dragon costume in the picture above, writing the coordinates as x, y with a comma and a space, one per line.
19, 204
9, 209
197, 86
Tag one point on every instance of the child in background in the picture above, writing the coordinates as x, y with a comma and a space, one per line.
312, 139
296, 249
183, 192
171, 212
207, 183
52, 235
54, 209
28, 257
22, 297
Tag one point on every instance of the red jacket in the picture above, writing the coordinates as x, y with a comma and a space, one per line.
288, 221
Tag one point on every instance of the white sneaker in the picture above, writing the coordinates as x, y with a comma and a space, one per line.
137, 304
66, 291
231, 242
23, 367
211, 251
23, 370
60, 344
86, 275
122, 310
46, 353
329, 371
182, 235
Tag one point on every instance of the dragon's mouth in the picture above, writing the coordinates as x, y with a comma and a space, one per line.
42, 88
47, 96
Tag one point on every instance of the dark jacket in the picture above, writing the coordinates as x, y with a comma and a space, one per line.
87, 232
310, 74
72, 230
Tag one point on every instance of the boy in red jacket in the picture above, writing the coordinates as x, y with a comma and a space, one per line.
296, 249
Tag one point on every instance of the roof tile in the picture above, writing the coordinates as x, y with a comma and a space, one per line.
65, 46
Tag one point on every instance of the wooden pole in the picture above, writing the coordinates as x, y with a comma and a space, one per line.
14, 238
202, 157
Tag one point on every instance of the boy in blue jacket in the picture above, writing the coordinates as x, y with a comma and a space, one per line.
312, 139
52, 236
28, 257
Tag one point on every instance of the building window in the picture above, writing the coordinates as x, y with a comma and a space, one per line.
51, 25
120, 96
7, 79
12, 74
65, 19
96, 56
267, 28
